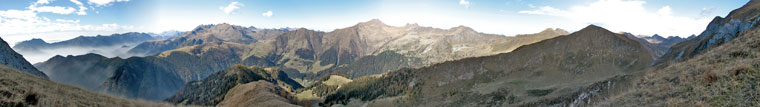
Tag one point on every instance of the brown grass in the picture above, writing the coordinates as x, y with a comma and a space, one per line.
23, 89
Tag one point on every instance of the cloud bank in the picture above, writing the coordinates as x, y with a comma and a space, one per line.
629, 16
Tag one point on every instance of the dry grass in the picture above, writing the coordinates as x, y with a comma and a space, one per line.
337, 80
22, 89
257, 94
723, 76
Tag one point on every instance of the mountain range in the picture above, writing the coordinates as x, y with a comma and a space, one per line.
303, 54
115, 45
716, 68
374, 64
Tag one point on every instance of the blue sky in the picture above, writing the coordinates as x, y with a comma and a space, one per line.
55, 20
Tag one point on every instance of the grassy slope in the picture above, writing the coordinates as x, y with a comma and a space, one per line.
22, 89
723, 76
257, 94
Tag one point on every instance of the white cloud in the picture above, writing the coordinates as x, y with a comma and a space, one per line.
464, 3
42, 2
66, 21
18, 25
53, 9
17, 14
232, 7
58, 9
105, 2
81, 7
629, 16
267, 14
665, 11
546, 10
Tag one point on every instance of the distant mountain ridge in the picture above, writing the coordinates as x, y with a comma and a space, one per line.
656, 44
115, 45
87, 41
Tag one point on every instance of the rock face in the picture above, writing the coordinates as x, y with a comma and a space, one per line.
211, 91
10, 58
719, 31
526, 76
257, 94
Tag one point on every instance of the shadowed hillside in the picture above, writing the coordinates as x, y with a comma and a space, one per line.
22, 89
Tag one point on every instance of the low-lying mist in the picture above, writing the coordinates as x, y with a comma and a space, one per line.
41, 55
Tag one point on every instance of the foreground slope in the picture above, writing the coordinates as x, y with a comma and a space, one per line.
721, 74
10, 58
726, 75
529, 75
22, 89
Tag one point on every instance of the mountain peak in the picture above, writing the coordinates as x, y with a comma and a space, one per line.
592, 27
376, 22
462, 28
555, 30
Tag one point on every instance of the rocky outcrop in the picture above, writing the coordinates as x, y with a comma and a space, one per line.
719, 31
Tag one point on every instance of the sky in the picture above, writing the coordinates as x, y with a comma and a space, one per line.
56, 20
